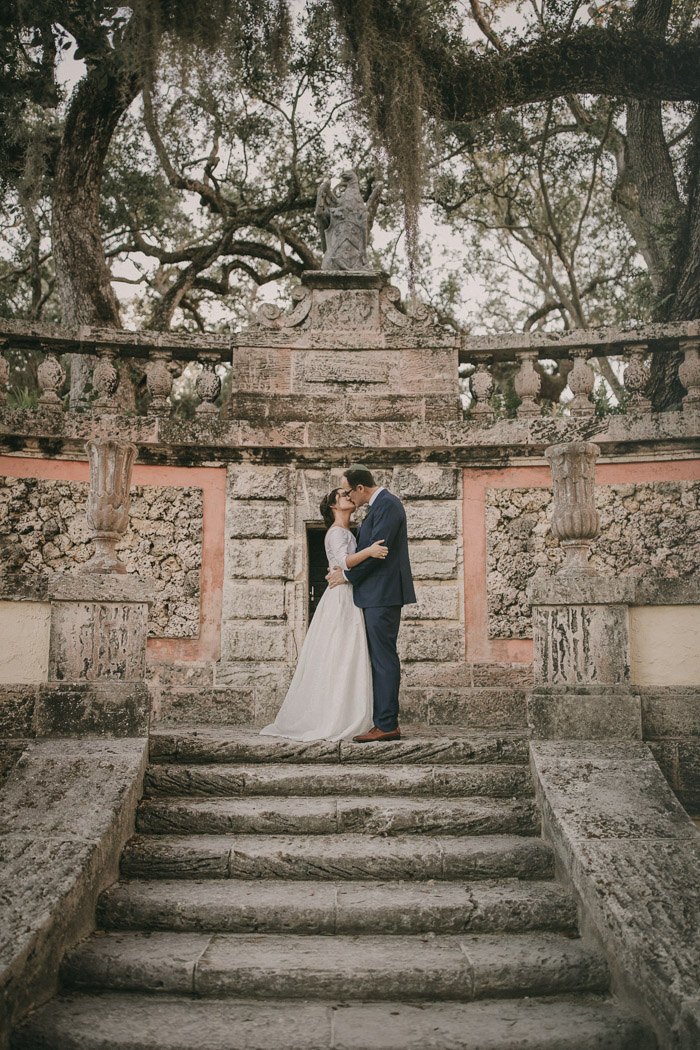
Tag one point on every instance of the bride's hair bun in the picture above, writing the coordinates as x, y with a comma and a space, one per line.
326, 507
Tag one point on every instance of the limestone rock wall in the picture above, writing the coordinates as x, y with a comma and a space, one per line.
643, 527
43, 529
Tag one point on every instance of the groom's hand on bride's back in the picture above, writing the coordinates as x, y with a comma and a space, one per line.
335, 576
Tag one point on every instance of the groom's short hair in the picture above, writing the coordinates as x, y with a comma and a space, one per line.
358, 475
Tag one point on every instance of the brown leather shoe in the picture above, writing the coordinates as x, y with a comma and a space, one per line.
377, 736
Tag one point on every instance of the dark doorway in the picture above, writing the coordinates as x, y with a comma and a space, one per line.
318, 565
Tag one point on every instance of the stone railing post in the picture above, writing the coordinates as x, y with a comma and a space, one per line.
581, 384
527, 384
4, 375
636, 378
159, 381
105, 379
481, 385
208, 384
111, 462
575, 520
689, 373
51, 375
581, 635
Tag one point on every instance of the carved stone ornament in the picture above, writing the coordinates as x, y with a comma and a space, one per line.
637, 376
689, 374
105, 379
390, 306
344, 220
581, 384
4, 377
270, 316
51, 375
208, 386
575, 520
111, 462
481, 385
159, 382
527, 384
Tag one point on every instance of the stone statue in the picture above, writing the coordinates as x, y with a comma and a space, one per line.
344, 220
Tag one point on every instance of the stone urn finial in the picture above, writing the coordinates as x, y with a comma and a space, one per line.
575, 521
111, 462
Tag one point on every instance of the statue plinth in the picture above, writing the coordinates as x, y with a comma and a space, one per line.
338, 280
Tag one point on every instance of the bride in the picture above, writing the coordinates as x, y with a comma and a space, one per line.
330, 697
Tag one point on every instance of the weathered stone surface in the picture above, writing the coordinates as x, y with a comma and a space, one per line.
434, 602
626, 844
133, 1022
431, 519
260, 559
250, 641
248, 481
502, 781
43, 531
335, 857
255, 599
424, 745
312, 967
581, 715
67, 809
93, 642
670, 712
429, 642
10, 753
433, 561
426, 481
225, 706
256, 518
478, 707
17, 703
237, 906
330, 371
643, 528
324, 816
679, 761
111, 708
581, 644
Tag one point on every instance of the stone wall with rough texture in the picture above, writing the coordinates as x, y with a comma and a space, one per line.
43, 529
643, 527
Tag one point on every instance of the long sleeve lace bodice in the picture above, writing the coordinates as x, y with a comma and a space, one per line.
339, 543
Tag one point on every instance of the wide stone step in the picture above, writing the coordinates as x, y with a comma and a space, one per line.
439, 745
363, 968
335, 857
496, 781
114, 1021
255, 906
326, 816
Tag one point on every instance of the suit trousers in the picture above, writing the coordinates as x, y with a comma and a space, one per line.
382, 625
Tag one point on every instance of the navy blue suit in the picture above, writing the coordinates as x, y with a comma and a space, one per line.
381, 586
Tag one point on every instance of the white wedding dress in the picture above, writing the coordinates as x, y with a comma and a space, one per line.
330, 697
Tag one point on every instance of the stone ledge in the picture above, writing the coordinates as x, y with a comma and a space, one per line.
97, 587
631, 854
581, 590
68, 808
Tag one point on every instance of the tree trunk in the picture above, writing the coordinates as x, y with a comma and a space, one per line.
82, 274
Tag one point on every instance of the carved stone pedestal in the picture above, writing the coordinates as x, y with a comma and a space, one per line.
582, 659
97, 657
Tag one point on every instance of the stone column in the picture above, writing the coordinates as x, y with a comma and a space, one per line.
97, 657
580, 621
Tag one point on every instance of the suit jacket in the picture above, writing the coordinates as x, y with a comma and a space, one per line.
383, 581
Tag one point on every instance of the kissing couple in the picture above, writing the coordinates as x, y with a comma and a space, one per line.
346, 682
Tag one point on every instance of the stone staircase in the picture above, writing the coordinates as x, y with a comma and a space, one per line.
284, 896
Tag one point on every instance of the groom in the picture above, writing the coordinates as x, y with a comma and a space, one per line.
380, 587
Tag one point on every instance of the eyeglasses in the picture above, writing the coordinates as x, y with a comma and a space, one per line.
346, 492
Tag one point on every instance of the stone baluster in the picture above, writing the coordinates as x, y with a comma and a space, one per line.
111, 461
208, 384
689, 373
159, 381
575, 520
105, 379
51, 375
637, 376
481, 385
527, 384
4, 375
581, 384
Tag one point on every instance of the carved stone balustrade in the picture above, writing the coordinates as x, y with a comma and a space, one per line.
637, 376
4, 376
208, 385
575, 520
111, 462
689, 373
